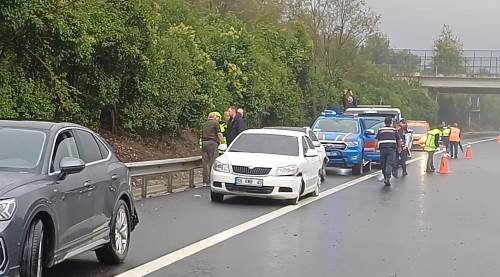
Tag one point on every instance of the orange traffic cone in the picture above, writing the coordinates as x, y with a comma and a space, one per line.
443, 167
468, 152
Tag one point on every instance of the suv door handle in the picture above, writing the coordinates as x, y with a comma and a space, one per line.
88, 183
115, 177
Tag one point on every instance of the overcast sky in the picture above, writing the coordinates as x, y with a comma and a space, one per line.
415, 23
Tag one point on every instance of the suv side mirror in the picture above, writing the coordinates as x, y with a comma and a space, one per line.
370, 132
311, 153
222, 147
69, 165
317, 144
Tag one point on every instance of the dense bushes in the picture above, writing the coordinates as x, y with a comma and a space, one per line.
158, 66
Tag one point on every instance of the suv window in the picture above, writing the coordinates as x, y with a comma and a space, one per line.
88, 146
65, 146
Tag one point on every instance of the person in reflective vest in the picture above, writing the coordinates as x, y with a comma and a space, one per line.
446, 138
431, 145
454, 140
223, 128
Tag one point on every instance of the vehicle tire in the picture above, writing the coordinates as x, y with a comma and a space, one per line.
293, 201
316, 191
368, 167
323, 172
115, 251
358, 169
33, 251
216, 197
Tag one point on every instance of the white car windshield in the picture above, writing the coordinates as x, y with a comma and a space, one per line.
266, 144
336, 125
20, 148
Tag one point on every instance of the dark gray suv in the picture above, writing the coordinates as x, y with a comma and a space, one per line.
62, 192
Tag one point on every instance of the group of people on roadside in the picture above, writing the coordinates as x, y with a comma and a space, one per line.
451, 138
394, 150
217, 130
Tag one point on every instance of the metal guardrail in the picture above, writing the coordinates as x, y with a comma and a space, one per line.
143, 170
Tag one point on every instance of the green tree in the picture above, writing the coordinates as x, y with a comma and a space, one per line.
448, 53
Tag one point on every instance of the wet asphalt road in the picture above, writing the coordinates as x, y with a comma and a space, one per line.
425, 225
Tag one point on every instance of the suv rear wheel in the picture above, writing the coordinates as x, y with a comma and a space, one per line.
32, 259
115, 251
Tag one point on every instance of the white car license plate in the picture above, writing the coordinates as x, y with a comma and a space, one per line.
249, 182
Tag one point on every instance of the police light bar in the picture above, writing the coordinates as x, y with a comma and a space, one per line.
330, 113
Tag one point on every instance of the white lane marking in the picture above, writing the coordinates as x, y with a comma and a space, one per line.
201, 245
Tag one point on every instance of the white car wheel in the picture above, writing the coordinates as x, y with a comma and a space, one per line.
318, 187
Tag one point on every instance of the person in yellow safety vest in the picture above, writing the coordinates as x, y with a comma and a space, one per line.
223, 128
446, 138
431, 145
454, 140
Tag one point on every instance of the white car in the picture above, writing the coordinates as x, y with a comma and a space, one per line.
268, 163
317, 144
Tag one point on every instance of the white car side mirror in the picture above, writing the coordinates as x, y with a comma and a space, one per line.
311, 153
222, 147
316, 143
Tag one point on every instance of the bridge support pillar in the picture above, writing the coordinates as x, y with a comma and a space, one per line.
474, 110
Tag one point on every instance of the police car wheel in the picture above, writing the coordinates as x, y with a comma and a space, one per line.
368, 167
358, 169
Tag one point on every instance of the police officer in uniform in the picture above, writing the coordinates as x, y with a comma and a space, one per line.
388, 141
431, 145
211, 136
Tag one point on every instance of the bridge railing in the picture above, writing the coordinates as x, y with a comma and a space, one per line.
424, 62
142, 173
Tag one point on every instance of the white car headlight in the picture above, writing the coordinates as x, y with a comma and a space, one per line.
352, 144
287, 170
221, 167
7, 209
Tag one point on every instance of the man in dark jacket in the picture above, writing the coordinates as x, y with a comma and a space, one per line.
236, 125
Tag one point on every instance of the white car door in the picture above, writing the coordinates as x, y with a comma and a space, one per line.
310, 170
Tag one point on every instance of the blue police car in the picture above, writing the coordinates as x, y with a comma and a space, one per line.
348, 140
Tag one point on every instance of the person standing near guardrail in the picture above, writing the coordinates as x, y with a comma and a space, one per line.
236, 125
211, 137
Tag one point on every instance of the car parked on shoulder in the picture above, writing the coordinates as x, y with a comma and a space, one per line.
317, 144
62, 192
268, 163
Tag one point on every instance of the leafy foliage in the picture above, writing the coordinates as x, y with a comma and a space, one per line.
158, 66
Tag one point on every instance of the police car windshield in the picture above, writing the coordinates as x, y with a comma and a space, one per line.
336, 125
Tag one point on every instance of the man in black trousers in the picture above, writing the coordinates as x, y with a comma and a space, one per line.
388, 141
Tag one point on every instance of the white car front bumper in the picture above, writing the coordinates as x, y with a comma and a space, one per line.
276, 187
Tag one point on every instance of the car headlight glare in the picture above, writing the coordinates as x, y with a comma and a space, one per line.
352, 144
7, 209
287, 170
221, 167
